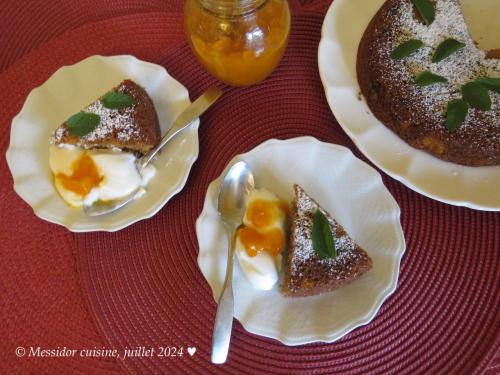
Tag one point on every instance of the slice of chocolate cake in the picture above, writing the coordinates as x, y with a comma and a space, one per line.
305, 272
130, 127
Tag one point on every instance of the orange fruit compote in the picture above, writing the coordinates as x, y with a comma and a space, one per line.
239, 42
264, 228
84, 178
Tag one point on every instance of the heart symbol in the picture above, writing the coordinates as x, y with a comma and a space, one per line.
191, 350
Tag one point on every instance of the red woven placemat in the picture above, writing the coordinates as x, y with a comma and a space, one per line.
145, 288
41, 298
27, 24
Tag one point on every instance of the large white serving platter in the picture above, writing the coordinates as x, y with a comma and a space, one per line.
343, 27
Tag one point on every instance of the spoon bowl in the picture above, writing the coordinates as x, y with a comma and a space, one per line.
237, 184
234, 190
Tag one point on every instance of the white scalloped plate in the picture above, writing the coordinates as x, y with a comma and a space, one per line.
66, 92
343, 27
352, 192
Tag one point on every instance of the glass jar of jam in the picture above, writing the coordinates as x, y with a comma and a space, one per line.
238, 41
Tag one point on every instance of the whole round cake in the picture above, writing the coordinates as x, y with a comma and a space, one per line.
425, 78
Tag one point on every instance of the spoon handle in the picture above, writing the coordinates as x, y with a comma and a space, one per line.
186, 118
225, 311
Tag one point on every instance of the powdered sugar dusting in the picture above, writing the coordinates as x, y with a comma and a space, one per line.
58, 135
348, 257
463, 66
114, 123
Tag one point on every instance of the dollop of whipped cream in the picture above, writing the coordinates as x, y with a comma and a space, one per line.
260, 241
85, 176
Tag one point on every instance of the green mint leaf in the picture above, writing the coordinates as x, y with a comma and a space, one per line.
82, 123
477, 96
322, 237
426, 10
455, 113
116, 100
406, 49
428, 78
446, 48
492, 84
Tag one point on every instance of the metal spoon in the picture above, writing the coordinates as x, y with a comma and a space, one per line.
186, 118
234, 190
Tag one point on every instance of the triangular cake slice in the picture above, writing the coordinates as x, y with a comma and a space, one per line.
305, 273
133, 128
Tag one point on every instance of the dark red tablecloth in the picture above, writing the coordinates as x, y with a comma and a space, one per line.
141, 286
